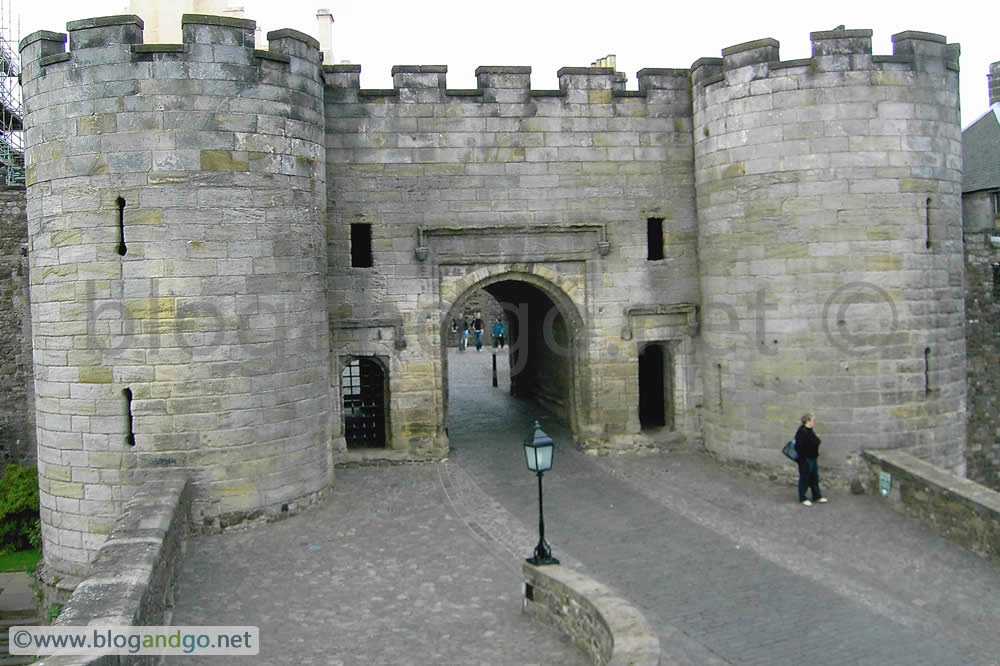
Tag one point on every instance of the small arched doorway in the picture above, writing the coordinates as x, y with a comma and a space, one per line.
363, 389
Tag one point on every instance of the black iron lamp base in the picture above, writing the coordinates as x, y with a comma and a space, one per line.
543, 555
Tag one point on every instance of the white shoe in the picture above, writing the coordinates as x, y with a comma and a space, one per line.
806, 503
822, 500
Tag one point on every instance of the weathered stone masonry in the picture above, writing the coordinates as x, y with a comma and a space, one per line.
771, 236
176, 209
981, 222
830, 246
17, 426
503, 185
982, 267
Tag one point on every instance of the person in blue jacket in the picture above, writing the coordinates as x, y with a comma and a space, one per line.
807, 446
498, 333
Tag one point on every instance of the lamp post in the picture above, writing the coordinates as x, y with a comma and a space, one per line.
538, 449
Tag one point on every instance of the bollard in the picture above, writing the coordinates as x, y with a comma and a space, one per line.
494, 367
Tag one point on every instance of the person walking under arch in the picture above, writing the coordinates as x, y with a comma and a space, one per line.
498, 333
807, 446
463, 333
478, 327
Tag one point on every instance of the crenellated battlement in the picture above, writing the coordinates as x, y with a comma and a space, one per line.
108, 70
206, 39
511, 85
837, 50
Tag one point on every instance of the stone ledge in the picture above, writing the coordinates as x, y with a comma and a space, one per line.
269, 55
957, 508
105, 21
222, 21
132, 578
43, 36
379, 457
605, 626
158, 48
288, 33
53, 59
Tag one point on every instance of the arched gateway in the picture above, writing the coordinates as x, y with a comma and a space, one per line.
545, 333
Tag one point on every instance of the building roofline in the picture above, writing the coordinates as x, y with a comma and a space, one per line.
994, 109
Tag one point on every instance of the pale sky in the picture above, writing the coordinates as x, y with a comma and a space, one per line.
548, 35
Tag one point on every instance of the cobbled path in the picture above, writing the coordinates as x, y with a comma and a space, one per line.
730, 569
420, 564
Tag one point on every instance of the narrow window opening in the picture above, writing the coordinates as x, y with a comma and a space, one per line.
927, 370
996, 283
361, 245
130, 436
719, 366
122, 249
654, 238
927, 219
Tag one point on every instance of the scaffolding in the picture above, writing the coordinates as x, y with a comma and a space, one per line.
11, 129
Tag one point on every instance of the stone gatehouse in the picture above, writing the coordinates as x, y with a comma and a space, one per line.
241, 262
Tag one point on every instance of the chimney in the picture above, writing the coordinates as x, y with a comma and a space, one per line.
325, 19
995, 83
234, 12
606, 61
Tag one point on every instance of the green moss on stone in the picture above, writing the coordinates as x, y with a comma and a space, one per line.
223, 160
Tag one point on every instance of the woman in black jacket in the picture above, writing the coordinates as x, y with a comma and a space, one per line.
807, 446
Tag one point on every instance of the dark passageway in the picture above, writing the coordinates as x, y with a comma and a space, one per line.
538, 361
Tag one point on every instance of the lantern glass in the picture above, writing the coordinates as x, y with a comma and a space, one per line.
529, 454
538, 448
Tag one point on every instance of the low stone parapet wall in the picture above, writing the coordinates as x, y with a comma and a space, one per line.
131, 581
960, 509
602, 624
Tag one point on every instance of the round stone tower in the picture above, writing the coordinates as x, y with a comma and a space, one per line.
176, 213
830, 247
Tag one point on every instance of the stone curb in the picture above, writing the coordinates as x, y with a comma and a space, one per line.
607, 627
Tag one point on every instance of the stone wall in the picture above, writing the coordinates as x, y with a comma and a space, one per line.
17, 397
982, 332
602, 624
542, 197
955, 507
830, 247
176, 208
131, 582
